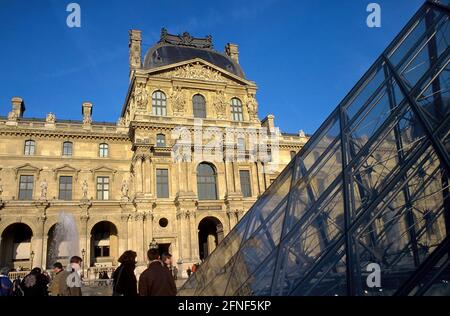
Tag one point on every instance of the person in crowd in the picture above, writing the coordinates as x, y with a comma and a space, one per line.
156, 280
6, 286
124, 279
189, 272
73, 280
34, 283
58, 286
17, 290
166, 259
194, 268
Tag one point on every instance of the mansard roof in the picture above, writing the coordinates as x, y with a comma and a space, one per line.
177, 48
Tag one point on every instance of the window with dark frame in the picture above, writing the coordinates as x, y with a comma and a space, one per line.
26, 184
162, 183
67, 149
65, 188
103, 188
160, 140
199, 106
246, 188
30, 147
206, 182
236, 110
159, 103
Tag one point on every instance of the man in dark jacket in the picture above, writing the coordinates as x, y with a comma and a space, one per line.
34, 283
156, 280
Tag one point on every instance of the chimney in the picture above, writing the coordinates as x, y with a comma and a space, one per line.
135, 49
268, 122
232, 51
86, 110
18, 106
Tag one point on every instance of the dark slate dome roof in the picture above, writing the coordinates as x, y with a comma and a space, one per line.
177, 48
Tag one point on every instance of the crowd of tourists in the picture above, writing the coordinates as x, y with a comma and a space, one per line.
157, 280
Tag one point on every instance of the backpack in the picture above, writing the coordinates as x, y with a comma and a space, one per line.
73, 280
5, 286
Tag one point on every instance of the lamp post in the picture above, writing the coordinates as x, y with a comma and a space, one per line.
31, 259
83, 255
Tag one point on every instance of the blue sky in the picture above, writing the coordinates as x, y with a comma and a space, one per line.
305, 55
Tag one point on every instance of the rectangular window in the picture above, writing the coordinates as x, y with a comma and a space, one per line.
67, 149
102, 188
162, 183
26, 188
101, 251
245, 183
30, 147
160, 140
103, 150
65, 188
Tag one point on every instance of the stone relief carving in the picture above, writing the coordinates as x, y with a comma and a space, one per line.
51, 118
84, 189
252, 106
140, 96
195, 71
121, 122
178, 101
12, 116
87, 119
124, 189
220, 104
44, 188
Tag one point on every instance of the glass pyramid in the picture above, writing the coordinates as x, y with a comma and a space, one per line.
370, 187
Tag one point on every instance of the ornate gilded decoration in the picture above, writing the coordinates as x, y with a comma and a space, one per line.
51, 118
186, 39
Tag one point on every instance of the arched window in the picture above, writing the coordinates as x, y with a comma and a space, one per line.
160, 140
236, 110
67, 148
206, 182
159, 103
103, 150
199, 106
30, 147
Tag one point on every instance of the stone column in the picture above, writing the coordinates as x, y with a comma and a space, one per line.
139, 237
138, 173
39, 242
147, 175
148, 228
195, 256
85, 241
231, 219
123, 238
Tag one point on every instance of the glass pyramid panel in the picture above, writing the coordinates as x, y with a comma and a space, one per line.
370, 187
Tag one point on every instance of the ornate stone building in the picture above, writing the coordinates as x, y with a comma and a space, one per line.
130, 184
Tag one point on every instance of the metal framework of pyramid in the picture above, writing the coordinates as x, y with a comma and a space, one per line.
370, 186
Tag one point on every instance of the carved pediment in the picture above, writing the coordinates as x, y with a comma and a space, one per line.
198, 69
67, 170
103, 170
27, 168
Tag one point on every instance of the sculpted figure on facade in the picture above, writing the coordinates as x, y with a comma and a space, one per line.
124, 189
252, 107
178, 101
220, 105
84, 189
44, 188
12, 116
140, 96
51, 118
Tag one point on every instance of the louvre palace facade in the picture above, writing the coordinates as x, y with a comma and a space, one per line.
188, 156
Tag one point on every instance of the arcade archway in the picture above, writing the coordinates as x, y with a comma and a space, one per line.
210, 233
